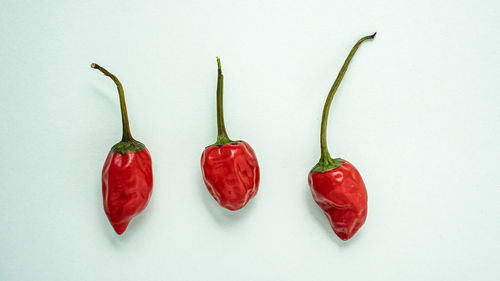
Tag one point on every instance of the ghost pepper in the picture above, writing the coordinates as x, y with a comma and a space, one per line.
230, 169
127, 175
336, 185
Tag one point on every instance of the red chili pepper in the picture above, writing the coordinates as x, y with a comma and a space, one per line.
230, 169
336, 186
127, 176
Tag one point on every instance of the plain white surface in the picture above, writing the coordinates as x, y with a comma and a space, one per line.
418, 114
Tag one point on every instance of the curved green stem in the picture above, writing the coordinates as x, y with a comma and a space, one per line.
326, 162
222, 137
127, 136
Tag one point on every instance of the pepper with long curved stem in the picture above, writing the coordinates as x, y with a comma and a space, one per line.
127, 175
230, 169
336, 185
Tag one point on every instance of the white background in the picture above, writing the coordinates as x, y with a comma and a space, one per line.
418, 114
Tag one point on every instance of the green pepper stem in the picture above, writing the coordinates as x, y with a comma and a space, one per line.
127, 136
222, 136
326, 159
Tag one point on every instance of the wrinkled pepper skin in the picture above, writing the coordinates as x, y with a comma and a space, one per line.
231, 173
341, 194
127, 183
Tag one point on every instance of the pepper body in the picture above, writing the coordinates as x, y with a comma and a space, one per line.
341, 194
127, 183
231, 173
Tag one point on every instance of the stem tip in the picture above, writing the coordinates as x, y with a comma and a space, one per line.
93, 65
218, 64
219, 68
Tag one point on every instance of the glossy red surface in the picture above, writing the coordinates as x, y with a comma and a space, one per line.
231, 173
341, 194
127, 183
